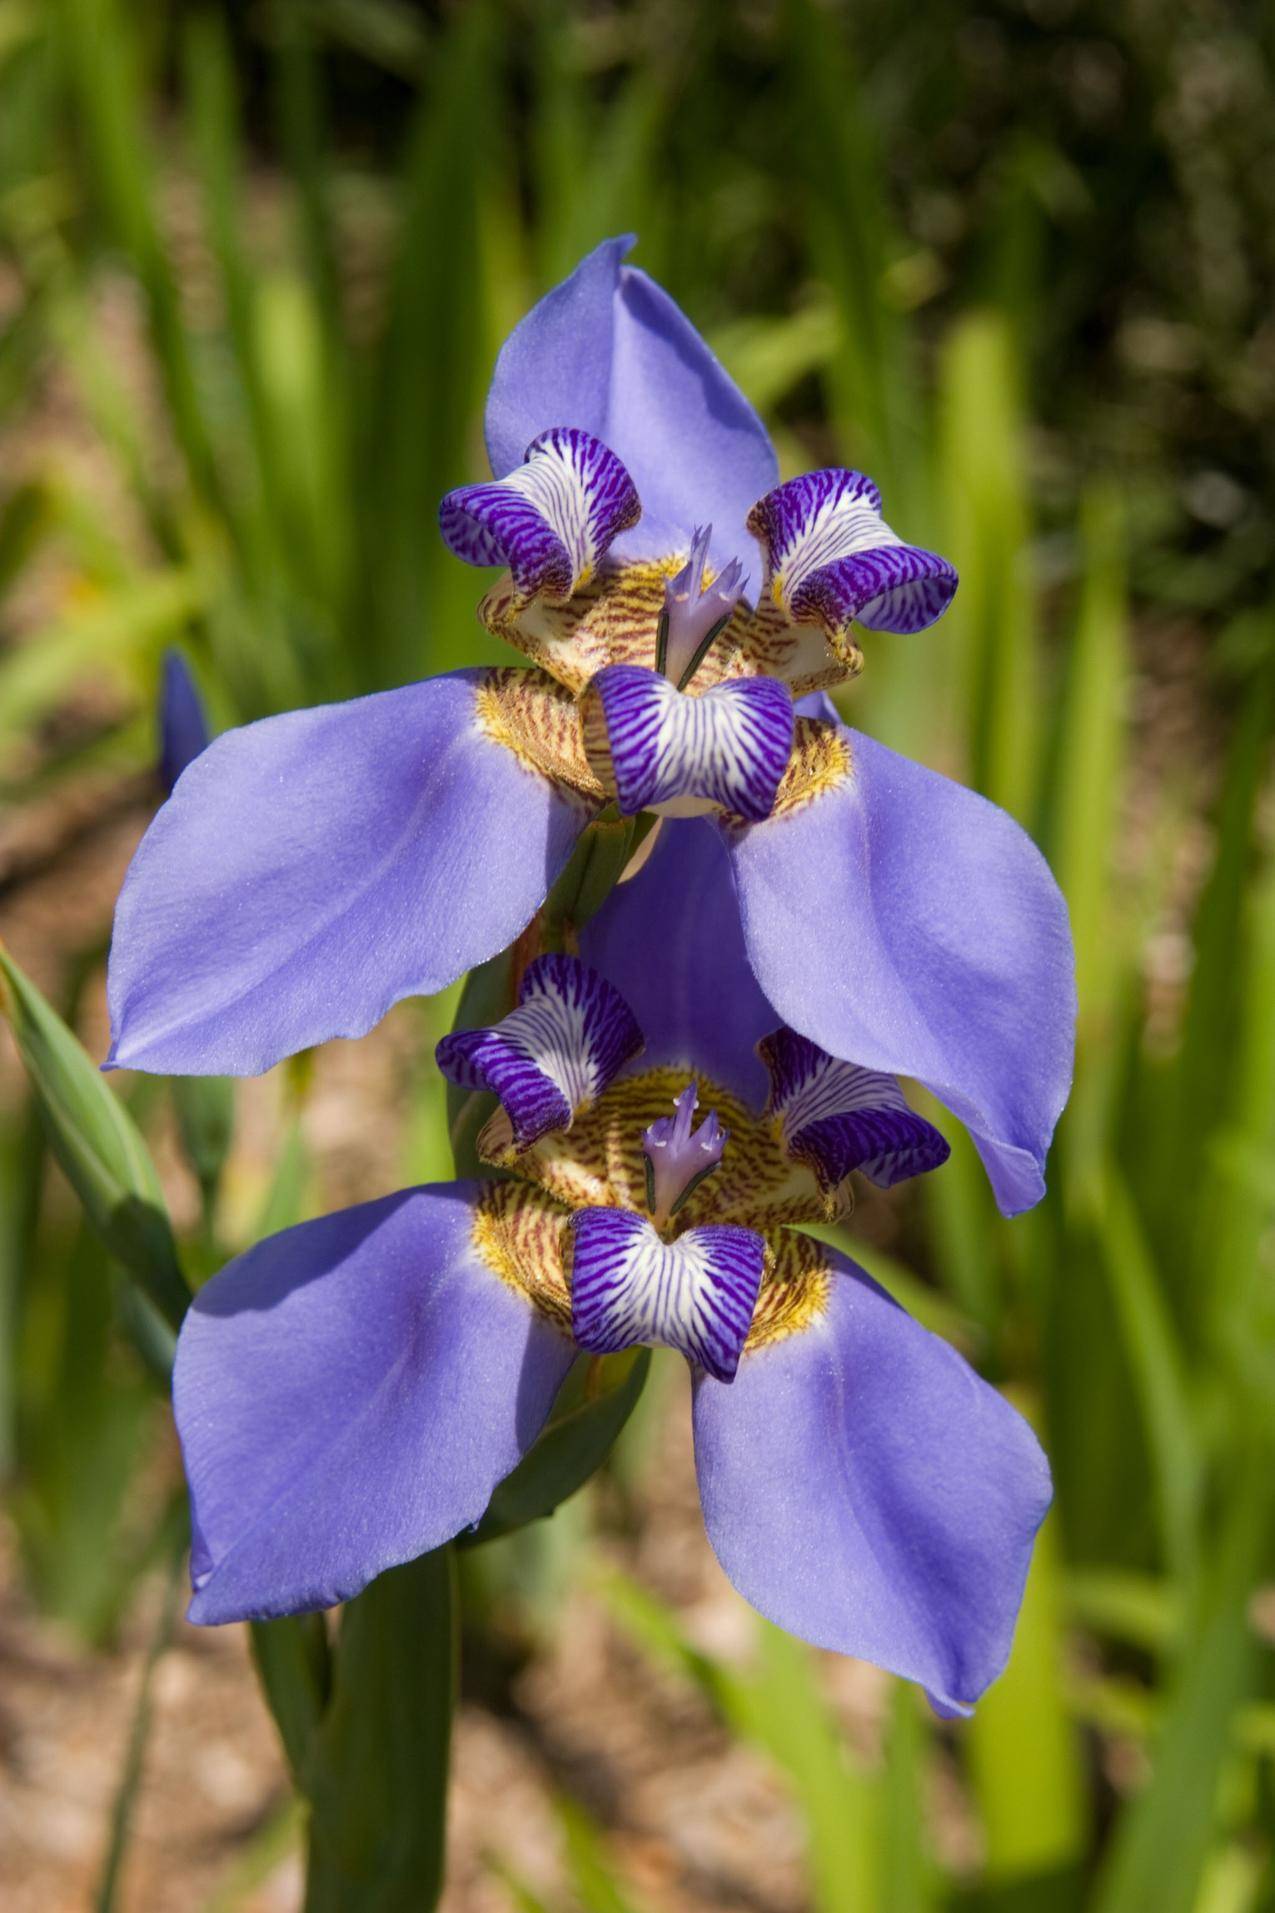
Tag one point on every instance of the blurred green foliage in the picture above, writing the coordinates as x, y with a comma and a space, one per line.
1016, 260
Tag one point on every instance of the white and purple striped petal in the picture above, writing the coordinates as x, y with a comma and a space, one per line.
696, 1294
831, 558
551, 520
569, 1036
684, 755
837, 1117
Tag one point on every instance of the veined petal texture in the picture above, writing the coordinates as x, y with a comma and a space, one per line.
610, 352
838, 1117
864, 1489
904, 923
311, 869
551, 519
831, 558
696, 1294
555, 1052
348, 1394
728, 746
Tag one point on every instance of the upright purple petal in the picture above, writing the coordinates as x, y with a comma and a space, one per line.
865, 1490
609, 351
348, 1394
310, 870
671, 941
903, 923
831, 558
566, 1040
551, 520
668, 749
696, 1293
183, 725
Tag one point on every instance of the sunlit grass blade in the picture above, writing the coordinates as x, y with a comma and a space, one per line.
990, 629
99, 46
106, 1899
1156, 1363
97, 1144
1025, 1759
377, 1771
1162, 1842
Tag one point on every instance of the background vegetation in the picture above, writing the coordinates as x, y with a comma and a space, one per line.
1015, 260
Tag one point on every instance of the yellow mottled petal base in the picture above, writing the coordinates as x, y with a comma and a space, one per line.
598, 1162
535, 718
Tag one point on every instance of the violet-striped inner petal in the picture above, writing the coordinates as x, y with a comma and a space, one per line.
679, 1156
696, 1294
837, 1117
729, 746
551, 520
569, 1036
831, 558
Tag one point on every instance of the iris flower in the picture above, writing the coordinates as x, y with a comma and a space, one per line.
349, 1392
675, 602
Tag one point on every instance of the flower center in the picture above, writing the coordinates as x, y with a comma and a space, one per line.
679, 1156
694, 612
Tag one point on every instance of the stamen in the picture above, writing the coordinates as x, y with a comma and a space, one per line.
679, 1157
694, 613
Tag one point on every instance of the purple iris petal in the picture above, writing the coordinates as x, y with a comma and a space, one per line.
838, 1117
729, 745
568, 1037
348, 1394
831, 558
551, 519
183, 727
905, 923
696, 1294
609, 351
865, 1490
310, 870
671, 942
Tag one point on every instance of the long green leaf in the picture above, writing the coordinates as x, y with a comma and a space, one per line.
97, 1144
377, 1775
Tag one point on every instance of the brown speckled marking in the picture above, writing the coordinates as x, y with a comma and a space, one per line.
821, 760
535, 718
598, 1162
794, 1288
614, 620
524, 1237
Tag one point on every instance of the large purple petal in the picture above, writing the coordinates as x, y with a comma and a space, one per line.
609, 351
348, 1394
864, 1489
671, 942
908, 925
310, 870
